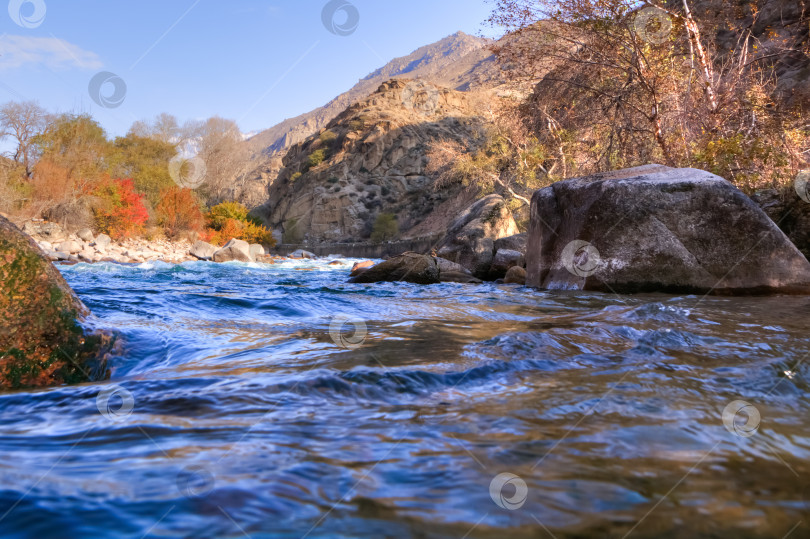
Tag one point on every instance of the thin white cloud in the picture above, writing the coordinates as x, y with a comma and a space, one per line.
51, 52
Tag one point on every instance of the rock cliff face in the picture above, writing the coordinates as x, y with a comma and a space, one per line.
370, 160
42, 341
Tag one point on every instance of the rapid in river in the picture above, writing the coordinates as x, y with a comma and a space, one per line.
253, 400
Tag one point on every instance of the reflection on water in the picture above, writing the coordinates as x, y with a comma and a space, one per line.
468, 411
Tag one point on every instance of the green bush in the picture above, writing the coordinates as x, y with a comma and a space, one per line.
295, 177
219, 214
385, 228
316, 158
232, 220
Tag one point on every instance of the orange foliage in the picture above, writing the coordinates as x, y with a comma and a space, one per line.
231, 228
179, 211
51, 183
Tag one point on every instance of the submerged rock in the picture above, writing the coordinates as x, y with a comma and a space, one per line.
471, 238
301, 254
360, 267
658, 229
42, 340
515, 275
413, 268
407, 267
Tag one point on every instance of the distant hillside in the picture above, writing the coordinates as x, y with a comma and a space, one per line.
460, 61
371, 160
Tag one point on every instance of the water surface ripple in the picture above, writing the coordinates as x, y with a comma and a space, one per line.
248, 419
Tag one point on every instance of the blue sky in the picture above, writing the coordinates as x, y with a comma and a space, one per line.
255, 61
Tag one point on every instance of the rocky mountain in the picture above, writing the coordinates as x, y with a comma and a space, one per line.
460, 61
370, 160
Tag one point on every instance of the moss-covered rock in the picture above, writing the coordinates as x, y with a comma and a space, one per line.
42, 340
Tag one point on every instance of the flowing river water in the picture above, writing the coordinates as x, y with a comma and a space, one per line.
254, 400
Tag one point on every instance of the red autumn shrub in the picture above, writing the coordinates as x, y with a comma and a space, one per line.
120, 211
179, 211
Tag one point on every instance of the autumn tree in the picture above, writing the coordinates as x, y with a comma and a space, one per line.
504, 157
624, 82
72, 152
146, 161
163, 127
218, 142
179, 212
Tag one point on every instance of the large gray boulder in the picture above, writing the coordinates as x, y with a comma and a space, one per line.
658, 229
470, 241
86, 235
234, 250
203, 251
72, 247
43, 337
256, 251
102, 242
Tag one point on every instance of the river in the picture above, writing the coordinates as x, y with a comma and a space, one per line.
252, 400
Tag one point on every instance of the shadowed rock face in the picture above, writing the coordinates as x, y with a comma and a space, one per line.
42, 342
657, 229
471, 238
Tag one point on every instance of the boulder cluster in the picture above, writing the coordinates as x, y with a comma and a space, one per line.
482, 244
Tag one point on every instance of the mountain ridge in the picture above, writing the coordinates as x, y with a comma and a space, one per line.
460, 61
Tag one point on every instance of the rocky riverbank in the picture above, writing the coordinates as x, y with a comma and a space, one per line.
60, 245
